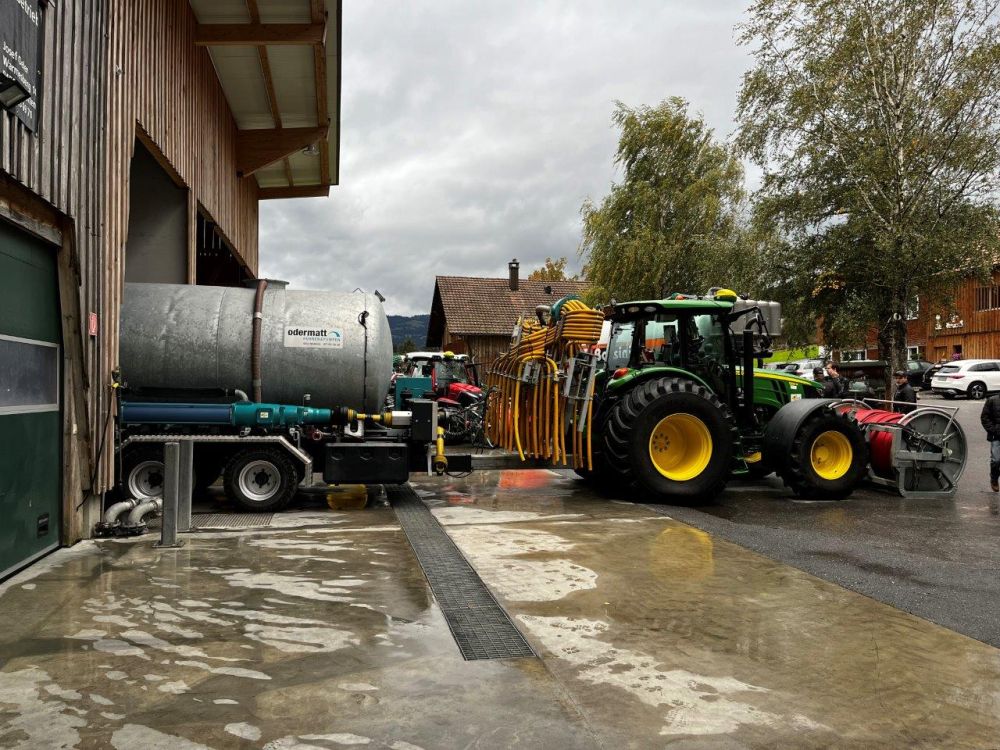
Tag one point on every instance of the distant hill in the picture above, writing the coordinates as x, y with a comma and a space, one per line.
413, 327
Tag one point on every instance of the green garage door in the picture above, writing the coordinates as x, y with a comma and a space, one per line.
30, 424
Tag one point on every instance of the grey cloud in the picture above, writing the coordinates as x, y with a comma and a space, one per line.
472, 133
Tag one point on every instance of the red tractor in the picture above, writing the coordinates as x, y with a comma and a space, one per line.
455, 387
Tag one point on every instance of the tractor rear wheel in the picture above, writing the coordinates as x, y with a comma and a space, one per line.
673, 439
827, 459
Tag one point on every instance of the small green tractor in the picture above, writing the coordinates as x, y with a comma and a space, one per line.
681, 404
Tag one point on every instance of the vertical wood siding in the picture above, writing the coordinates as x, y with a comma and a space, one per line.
112, 69
63, 164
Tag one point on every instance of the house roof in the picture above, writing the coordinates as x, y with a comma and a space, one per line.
487, 307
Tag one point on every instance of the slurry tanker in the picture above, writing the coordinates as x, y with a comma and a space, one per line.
268, 384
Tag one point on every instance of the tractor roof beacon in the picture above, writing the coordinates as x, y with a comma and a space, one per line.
683, 402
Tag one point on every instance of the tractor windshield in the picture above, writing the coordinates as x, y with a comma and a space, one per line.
450, 371
681, 339
620, 346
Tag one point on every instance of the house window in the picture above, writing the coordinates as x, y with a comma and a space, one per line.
987, 298
913, 309
853, 355
914, 352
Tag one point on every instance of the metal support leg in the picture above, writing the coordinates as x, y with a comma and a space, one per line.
171, 492
186, 486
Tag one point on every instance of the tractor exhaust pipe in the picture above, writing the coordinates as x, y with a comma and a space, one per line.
748, 409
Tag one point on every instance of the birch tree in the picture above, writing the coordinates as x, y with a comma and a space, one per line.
670, 224
877, 125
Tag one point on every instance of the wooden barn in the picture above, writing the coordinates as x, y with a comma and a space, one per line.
968, 326
136, 139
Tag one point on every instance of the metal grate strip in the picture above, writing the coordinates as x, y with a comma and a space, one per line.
231, 520
479, 625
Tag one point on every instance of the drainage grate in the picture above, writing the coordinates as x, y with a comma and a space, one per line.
480, 626
231, 520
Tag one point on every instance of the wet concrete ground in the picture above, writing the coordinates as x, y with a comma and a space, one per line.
939, 559
323, 634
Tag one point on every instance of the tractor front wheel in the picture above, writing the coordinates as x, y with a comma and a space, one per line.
673, 438
827, 460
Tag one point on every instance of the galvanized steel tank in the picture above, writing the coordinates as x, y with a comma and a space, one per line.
179, 336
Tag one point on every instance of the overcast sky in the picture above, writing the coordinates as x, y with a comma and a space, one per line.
473, 131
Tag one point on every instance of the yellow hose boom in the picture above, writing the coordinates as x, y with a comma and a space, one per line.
530, 408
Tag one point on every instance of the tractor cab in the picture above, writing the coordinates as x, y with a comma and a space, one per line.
717, 339
449, 376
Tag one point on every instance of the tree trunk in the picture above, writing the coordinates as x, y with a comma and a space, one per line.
892, 341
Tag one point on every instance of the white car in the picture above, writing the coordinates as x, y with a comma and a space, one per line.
968, 377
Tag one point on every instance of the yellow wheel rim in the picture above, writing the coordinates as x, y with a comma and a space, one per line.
831, 455
680, 447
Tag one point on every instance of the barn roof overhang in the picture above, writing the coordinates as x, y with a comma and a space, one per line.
279, 65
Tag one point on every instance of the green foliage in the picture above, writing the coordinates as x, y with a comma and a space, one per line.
407, 346
671, 223
878, 127
553, 270
789, 355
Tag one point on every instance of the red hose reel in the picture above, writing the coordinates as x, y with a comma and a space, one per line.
920, 454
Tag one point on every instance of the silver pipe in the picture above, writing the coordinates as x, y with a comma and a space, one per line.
241, 395
147, 506
112, 513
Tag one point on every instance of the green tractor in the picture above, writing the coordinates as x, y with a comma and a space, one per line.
680, 407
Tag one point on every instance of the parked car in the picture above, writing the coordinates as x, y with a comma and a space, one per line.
801, 367
915, 369
874, 371
930, 372
969, 377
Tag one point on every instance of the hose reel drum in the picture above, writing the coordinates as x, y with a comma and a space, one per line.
920, 454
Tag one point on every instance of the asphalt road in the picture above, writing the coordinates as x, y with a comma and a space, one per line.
938, 559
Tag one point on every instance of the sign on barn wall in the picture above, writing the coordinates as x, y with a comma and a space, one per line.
20, 52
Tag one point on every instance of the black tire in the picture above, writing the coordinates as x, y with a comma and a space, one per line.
261, 480
977, 391
948, 396
632, 427
208, 465
142, 471
799, 472
600, 477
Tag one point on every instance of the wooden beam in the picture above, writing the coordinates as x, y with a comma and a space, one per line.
297, 191
256, 149
251, 34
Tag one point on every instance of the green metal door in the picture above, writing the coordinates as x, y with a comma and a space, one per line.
30, 422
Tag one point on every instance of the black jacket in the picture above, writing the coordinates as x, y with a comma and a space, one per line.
834, 387
991, 418
907, 395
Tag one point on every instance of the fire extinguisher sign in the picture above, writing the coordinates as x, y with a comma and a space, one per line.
313, 337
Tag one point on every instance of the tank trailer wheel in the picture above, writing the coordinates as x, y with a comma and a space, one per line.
142, 472
673, 439
261, 480
828, 458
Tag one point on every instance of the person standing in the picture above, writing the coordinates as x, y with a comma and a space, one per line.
905, 398
836, 386
990, 419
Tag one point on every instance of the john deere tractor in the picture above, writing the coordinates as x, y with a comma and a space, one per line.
679, 406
